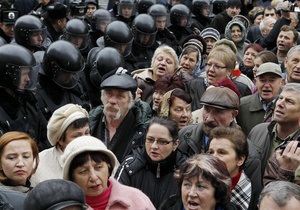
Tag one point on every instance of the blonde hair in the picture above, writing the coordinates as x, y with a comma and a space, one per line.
168, 50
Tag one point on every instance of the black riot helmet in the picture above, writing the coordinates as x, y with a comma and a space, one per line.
144, 5
179, 12
127, 4
219, 6
17, 68
144, 30
158, 10
77, 32
199, 5
62, 62
30, 31
100, 19
118, 35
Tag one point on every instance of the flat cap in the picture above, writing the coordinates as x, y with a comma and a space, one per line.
119, 81
269, 67
220, 98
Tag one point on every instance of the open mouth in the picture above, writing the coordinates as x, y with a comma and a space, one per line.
192, 205
95, 187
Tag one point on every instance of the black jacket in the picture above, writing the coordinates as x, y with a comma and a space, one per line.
153, 178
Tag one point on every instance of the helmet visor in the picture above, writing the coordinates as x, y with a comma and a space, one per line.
101, 24
80, 41
144, 39
37, 38
24, 77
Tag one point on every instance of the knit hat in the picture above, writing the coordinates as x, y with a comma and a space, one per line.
228, 43
61, 119
269, 67
196, 41
236, 3
85, 144
220, 98
210, 33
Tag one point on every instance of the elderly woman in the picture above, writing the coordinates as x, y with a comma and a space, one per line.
230, 145
176, 104
191, 59
246, 67
163, 61
162, 85
19, 157
204, 183
236, 31
67, 123
150, 168
220, 64
90, 164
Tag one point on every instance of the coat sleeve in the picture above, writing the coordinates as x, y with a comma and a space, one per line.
122, 174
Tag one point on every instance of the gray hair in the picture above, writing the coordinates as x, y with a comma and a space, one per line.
262, 25
292, 87
292, 50
131, 103
281, 192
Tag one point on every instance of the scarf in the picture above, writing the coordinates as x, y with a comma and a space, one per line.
99, 202
241, 193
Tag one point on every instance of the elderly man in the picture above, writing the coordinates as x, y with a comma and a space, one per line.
120, 122
280, 195
220, 108
256, 33
8, 18
267, 137
292, 65
259, 107
220, 21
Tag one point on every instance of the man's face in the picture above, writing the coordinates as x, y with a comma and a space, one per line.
209, 44
270, 12
116, 103
36, 39
126, 11
8, 29
61, 23
268, 86
24, 77
103, 24
144, 39
285, 41
91, 8
214, 117
287, 110
183, 22
233, 11
76, 40
160, 22
292, 66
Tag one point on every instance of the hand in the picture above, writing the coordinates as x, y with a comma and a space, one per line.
289, 158
138, 93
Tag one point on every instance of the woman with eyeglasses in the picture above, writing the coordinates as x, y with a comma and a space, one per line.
150, 168
220, 64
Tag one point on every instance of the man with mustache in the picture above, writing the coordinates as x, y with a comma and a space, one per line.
220, 107
120, 122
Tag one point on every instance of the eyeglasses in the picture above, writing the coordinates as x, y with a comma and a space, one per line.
158, 141
215, 66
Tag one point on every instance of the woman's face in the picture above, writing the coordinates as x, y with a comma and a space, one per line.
92, 177
236, 33
17, 161
198, 194
257, 63
188, 62
180, 111
163, 64
215, 70
156, 98
224, 150
248, 59
159, 151
257, 20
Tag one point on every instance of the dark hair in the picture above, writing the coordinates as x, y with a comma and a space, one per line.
170, 124
255, 47
168, 82
267, 56
79, 123
287, 28
236, 136
179, 93
191, 49
211, 169
269, 8
82, 158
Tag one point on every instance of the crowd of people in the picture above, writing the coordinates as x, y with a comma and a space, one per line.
149, 104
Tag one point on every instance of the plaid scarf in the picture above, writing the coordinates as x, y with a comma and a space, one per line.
241, 194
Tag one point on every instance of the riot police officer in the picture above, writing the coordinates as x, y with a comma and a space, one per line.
201, 11
18, 105
58, 81
126, 11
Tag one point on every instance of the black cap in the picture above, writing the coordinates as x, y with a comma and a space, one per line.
55, 194
119, 81
9, 16
57, 11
